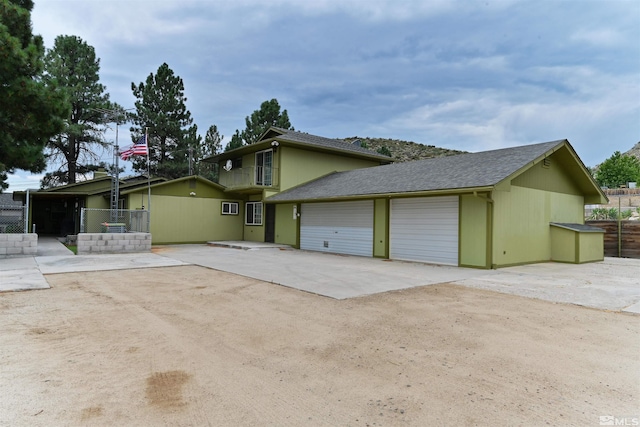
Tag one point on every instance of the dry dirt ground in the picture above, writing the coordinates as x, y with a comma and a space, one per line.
190, 346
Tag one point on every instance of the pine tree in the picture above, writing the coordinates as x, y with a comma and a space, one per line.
259, 122
161, 108
30, 111
72, 65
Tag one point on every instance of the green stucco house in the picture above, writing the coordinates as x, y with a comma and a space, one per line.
485, 210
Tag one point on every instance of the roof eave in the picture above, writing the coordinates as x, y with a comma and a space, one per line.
425, 193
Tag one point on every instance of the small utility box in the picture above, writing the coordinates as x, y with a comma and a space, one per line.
576, 243
114, 227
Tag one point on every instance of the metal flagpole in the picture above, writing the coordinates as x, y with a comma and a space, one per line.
146, 140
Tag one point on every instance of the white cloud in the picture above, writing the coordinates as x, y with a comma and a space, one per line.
603, 37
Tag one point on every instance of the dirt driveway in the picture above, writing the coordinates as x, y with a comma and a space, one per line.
192, 346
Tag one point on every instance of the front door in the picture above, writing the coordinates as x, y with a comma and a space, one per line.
270, 223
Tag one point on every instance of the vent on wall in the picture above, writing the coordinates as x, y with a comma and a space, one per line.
546, 163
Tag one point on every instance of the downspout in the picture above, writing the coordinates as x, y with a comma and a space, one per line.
489, 227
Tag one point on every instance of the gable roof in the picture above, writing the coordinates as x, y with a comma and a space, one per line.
295, 137
159, 183
470, 171
292, 138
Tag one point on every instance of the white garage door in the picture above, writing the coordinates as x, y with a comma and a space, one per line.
338, 227
425, 229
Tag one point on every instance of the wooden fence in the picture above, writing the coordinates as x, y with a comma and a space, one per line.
629, 244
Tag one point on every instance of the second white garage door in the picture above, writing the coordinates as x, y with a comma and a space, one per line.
338, 227
424, 229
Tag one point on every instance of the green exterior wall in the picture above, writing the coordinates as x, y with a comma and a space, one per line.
183, 188
521, 217
563, 245
286, 225
381, 228
552, 178
474, 231
178, 217
189, 219
298, 166
591, 247
97, 202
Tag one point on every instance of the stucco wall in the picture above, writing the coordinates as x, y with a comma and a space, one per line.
299, 166
521, 231
474, 249
591, 247
286, 224
190, 219
563, 245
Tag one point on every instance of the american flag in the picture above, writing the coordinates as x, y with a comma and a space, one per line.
138, 149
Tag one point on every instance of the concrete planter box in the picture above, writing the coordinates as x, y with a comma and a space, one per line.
113, 243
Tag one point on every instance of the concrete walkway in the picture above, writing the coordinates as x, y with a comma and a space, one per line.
51, 246
22, 273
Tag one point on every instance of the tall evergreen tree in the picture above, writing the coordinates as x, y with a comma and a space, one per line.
211, 146
161, 108
72, 65
260, 120
236, 141
30, 111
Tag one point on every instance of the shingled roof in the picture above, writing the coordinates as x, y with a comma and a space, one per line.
286, 137
313, 140
463, 171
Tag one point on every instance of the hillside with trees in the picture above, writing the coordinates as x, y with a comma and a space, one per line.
402, 151
635, 151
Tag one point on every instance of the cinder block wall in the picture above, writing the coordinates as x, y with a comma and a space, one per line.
18, 244
110, 243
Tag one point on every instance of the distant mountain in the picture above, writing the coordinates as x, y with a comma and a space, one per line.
635, 151
403, 151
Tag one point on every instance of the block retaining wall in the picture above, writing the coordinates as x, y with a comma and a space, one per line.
109, 243
18, 244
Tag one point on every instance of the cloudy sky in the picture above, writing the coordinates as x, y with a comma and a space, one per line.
467, 75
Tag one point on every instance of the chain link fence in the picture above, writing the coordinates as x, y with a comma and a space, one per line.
110, 221
13, 219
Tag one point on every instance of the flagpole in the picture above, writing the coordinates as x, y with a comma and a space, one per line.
146, 139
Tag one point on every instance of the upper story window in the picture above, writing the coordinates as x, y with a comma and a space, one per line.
264, 167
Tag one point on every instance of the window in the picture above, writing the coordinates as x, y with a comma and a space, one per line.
229, 208
264, 163
253, 213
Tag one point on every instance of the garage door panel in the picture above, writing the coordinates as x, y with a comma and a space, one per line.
339, 227
425, 229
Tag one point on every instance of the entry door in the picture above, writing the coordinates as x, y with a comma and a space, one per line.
337, 227
424, 229
270, 223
